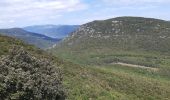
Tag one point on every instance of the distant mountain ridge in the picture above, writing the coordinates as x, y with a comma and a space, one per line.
54, 31
38, 40
122, 33
132, 40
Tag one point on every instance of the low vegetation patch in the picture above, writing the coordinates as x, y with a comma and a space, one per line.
25, 77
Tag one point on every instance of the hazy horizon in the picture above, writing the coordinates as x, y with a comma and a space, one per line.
19, 13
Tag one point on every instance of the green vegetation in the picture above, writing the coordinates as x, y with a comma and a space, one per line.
27, 73
133, 40
97, 47
114, 83
7, 43
121, 34
98, 78
90, 62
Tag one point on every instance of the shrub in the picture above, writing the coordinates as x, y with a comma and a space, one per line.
25, 77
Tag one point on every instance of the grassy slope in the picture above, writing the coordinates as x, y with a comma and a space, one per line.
133, 40
114, 83
98, 57
106, 81
123, 33
98, 79
7, 43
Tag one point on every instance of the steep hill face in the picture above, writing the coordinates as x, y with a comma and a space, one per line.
133, 40
38, 40
122, 33
54, 31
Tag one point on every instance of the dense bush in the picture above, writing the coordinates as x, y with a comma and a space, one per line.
25, 77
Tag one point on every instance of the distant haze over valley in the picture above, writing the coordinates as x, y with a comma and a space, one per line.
53, 31
42, 36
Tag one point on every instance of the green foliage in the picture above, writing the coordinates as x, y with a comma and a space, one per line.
94, 47
25, 77
113, 83
99, 44
133, 40
7, 43
122, 33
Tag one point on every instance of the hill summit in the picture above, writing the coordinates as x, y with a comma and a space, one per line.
122, 33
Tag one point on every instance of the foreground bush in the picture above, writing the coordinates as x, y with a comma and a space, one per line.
25, 77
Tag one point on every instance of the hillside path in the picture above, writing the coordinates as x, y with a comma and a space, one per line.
136, 66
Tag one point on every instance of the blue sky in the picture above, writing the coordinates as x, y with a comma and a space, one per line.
20, 13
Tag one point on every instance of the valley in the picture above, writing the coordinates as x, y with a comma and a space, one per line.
124, 58
53, 31
42, 36
84, 50
41, 41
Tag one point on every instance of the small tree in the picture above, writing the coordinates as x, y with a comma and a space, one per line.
25, 77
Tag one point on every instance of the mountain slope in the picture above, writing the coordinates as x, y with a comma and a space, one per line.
108, 51
105, 81
54, 31
38, 40
83, 83
134, 40
123, 33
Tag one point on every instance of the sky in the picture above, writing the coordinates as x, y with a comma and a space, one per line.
21, 13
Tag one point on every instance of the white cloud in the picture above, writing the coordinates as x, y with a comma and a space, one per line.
1, 22
11, 21
37, 9
25, 5
134, 2
29, 12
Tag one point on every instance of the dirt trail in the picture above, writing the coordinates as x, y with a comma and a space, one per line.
136, 66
